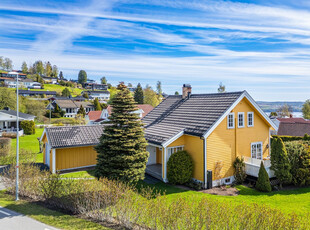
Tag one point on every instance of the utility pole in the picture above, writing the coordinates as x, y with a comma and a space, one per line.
17, 138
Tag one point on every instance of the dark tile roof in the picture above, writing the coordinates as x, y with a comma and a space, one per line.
34, 92
293, 129
97, 91
20, 114
293, 120
69, 103
193, 115
74, 136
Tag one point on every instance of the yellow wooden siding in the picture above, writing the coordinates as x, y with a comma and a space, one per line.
158, 155
75, 157
44, 141
194, 146
222, 143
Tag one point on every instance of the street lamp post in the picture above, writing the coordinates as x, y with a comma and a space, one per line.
17, 139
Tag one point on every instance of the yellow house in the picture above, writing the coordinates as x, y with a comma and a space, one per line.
213, 128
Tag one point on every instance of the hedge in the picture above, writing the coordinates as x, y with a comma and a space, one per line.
180, 168
29, 127
288, 138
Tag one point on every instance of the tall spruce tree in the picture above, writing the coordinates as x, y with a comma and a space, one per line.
139, 94
280, 162
97, 105
263, 182
122, 151
82, 111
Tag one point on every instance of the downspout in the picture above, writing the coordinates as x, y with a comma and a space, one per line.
54, 160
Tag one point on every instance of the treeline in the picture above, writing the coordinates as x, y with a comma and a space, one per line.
148, 95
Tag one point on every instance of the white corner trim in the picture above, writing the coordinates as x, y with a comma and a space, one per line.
251, 100
168, 142
165, 165
205, 163
54, 160
44, 131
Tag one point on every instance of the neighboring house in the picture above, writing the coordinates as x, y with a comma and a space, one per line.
29, 83
213, 128
101, 95
95, 86
293, 127
30, 93
13, 74
50, 80
96, 117
8, 120
71, 107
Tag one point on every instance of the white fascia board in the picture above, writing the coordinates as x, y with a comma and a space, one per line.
168, 142
246, 95
43, 134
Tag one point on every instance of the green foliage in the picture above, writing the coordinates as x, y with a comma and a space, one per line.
221, 88
299, 158
239, 166
97, 105
273, 114
82, 78
103, 80
38, 67
29, 127
176, 93
159, 89
24, 67
122, 151
85, 95
7, 64
180, 168
286, 138
48, 69
306, 109
150, 97
263, 183
54, 71
35, 107
61, 76
306, 137
7, 98
138, 95
279, 161
66, 92
5, 146
56, 113
81, 111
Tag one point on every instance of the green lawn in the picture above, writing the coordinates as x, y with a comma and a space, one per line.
80, 174
60, 88
45, 215
30, 142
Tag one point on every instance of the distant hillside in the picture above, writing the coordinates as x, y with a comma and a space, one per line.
273, 106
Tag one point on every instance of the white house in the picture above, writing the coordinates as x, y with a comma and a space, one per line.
101, 95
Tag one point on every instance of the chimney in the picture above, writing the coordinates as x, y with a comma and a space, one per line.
186, 91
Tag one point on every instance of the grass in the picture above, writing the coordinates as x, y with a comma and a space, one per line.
30, 142
60, 88
45, 215
80, 174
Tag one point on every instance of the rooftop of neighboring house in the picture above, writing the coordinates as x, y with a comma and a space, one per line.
294, 128
77, 98
97, 91
10, 112
74, 136
146, 108
293, 120
37, 92
69, 103
94, 115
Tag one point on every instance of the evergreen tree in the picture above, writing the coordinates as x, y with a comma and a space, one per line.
97, 105
54, 71
139, 94
85, 95
159, 90
280, 162
263, 183
103, 80
66, 92
82, 78
176, 93
61, 76
48, 69
24, 67
122, 151
81, 111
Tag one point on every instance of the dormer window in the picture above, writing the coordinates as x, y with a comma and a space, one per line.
241, 120
231, 121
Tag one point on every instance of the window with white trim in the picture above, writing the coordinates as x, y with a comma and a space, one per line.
250, 119
257, 150
241, 120
172, 150
231, 121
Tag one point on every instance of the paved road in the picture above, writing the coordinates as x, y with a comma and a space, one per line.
10, 220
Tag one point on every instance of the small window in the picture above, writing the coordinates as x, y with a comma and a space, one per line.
227, 180
231, 121
172, 150
250, 119
240, 120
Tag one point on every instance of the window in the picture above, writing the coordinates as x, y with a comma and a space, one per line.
256, 150
231, 121
240, 120
172, 150
250, 119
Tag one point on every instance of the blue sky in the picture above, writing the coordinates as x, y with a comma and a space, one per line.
259, 46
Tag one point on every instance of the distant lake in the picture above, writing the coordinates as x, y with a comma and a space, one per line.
295, 114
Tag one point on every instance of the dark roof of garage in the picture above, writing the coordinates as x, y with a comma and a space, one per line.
74, 136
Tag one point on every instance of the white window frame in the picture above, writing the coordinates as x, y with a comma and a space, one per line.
233, 123
173, 149
261, 152
252, 113
241, 126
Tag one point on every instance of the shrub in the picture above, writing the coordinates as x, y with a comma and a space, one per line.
5, 146
9, 135
239, 166
286, 138
263, 183
279, 162
29, 127
180, 168
306, 137
25, 156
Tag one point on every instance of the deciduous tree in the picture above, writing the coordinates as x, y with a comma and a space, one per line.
82, 78
306, 109
66, 92
7, 64
150, 97
24, 67
122, 151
